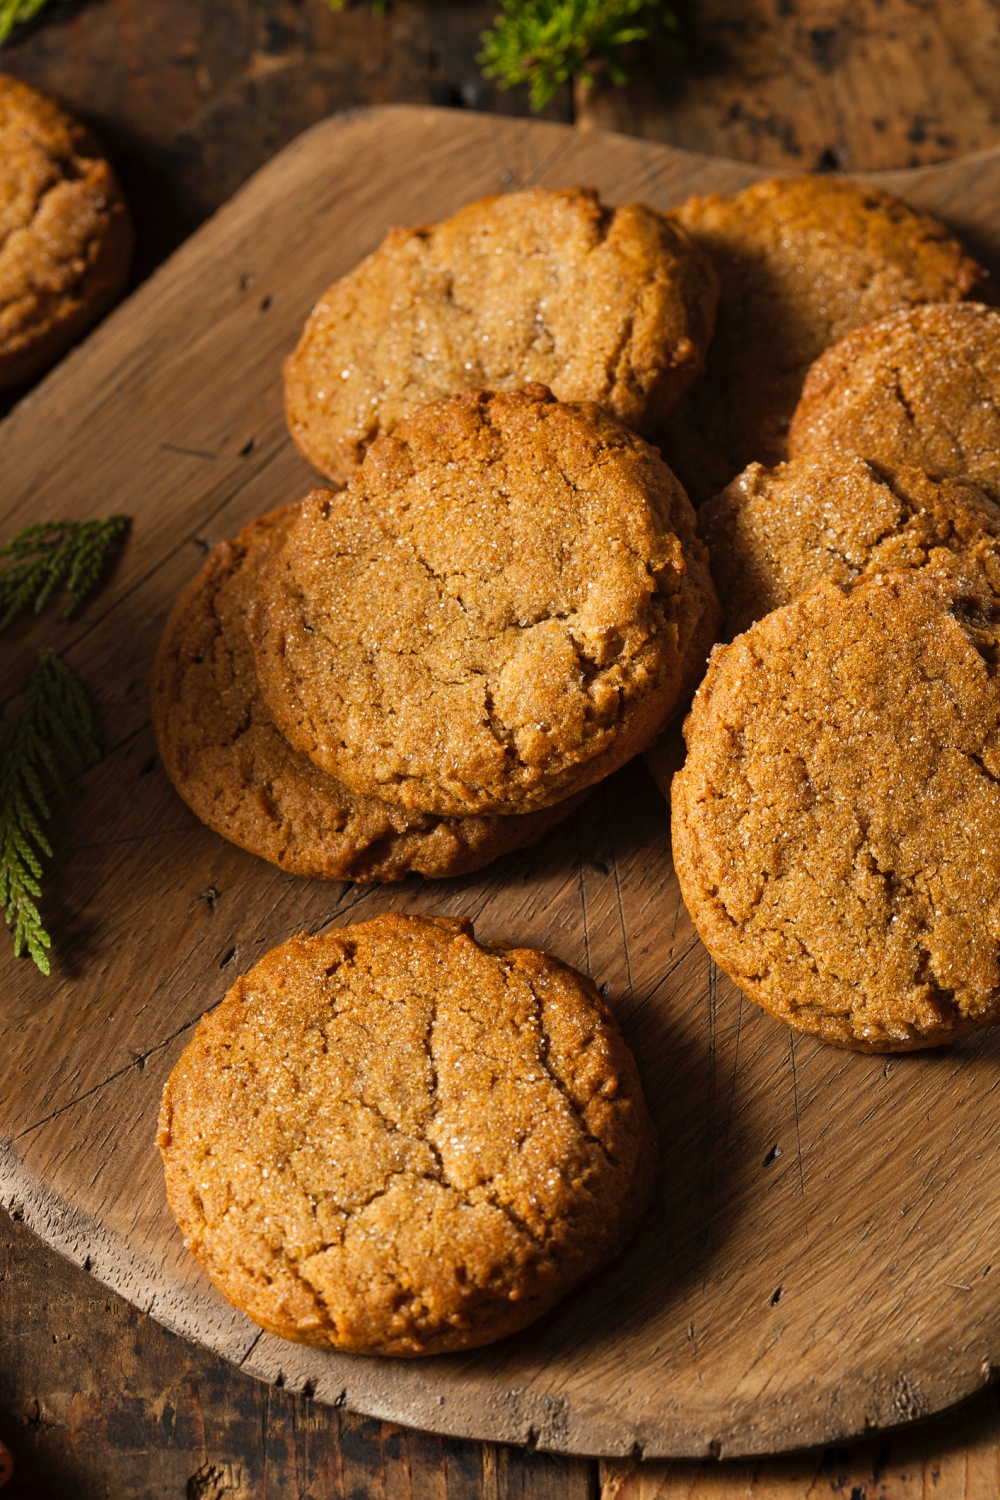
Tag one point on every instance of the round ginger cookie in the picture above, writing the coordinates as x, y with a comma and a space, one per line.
801, 261
65, 234
497, 612
608, 305
392, 1139
773, 533
919, 388
836, 826
241, 778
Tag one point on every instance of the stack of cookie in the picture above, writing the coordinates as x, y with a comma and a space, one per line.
837, 821
802, 262
507, 599
390, 1138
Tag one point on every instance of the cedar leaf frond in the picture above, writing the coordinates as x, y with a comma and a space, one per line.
378, 6
545, 43
52, 734
14, 12
54, 555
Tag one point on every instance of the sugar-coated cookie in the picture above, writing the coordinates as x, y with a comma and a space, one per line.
393, 1139
236, 772
801, 261
600, 304
502, 607
65, 234
773, 533
921, 388
836, 825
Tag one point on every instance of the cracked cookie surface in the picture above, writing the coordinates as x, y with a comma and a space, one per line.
773, 533
498, 611
836, 826
393, 1139
801, 261
608, 305
65, 236
242, 778
921, 387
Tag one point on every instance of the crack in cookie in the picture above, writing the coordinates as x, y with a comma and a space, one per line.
870, 724
505, 604
417, 1151
241, 778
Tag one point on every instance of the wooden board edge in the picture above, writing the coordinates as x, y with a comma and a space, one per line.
520, 1417
90, 1246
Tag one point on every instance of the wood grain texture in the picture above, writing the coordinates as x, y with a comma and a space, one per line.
192, 97
820, 1257
829, 85
956, 1457
96, 1399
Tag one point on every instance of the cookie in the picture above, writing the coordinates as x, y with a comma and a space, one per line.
921, 387
600, 304
497, 612
65, 234
241, 778
801, 261
773, 533
836, 826
393, 1139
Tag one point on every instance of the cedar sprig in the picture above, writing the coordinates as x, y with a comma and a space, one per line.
14, 12
52, 555
546, 43
51, 735
378, 6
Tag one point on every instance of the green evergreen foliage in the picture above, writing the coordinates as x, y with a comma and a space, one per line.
13, 12
74, 555
52, 734
378, 6
545, 43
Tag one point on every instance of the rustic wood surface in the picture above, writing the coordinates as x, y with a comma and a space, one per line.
819, 1258
101, 1403
98, 1400
192, 97
844, 85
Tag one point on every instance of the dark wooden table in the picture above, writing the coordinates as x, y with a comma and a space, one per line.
191, 96
97, 1400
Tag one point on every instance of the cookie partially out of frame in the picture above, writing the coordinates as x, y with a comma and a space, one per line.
393, 1139
801, 262
65, 234
497, 612
773, 533
921, 387
600, 304
836, 825
236, 772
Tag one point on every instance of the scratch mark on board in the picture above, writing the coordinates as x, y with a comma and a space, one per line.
138, 1060
795, 1103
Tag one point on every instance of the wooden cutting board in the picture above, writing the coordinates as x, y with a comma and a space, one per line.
822, 1257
